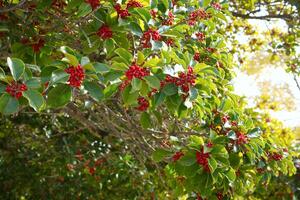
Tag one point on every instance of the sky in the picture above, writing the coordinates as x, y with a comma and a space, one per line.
247, 85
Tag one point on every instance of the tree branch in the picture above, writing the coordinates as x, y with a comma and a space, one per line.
11, 8
296, 81
248, 16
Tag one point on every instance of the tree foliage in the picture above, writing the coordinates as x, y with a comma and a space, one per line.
133, 99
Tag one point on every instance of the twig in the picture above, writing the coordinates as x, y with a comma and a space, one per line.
19, 5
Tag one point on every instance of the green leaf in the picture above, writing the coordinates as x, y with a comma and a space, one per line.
136, 84
2, 74
212, 164
196, 141
59, 96
140, 58
84, 60
84, 9
135, 29
144, 13
230, 175
158, 99
109, 45
159, 154
170, 89
59, 76
256, 132
101, 67
129, 98
124, 54
35, 99
206, 3
8, 104
188, 159
119, 66
33, 83
152, 81
71, 59
145, 120
153, 62
94, 89
225, 105
165, 3
16, 66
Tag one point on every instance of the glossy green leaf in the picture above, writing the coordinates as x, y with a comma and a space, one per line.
8, 104
94, 89
59, 96
152, 81
35, 99
17, 67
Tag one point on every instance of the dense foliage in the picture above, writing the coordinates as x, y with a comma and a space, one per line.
99, 90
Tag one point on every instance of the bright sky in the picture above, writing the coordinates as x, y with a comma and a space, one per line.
247, 85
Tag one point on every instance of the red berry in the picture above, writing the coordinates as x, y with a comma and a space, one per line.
197, 57
121, 12
76, 75
216, 6
177, 156
153, 13
169, 21
16, 89
202, 159
92, 170
134, 4
94, 3
241, 138
105, 32
200, 36
37, 46
143, 104
148, 35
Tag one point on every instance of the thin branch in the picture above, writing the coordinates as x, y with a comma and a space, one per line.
7, 9
248, 16
296, 81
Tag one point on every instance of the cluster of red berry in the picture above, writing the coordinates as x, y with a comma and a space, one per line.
134, 71
177, 156
94, 3
143, 104
275, 156
220, 196
148, 35
170, 20
153, 13
200, 36
197, 56
134, 4
123, 13
170, 42
16, 89
37, 46
104, 32
184, 80
209, 144
216, 6
241, 138
76, 75
197, 15
202, 159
